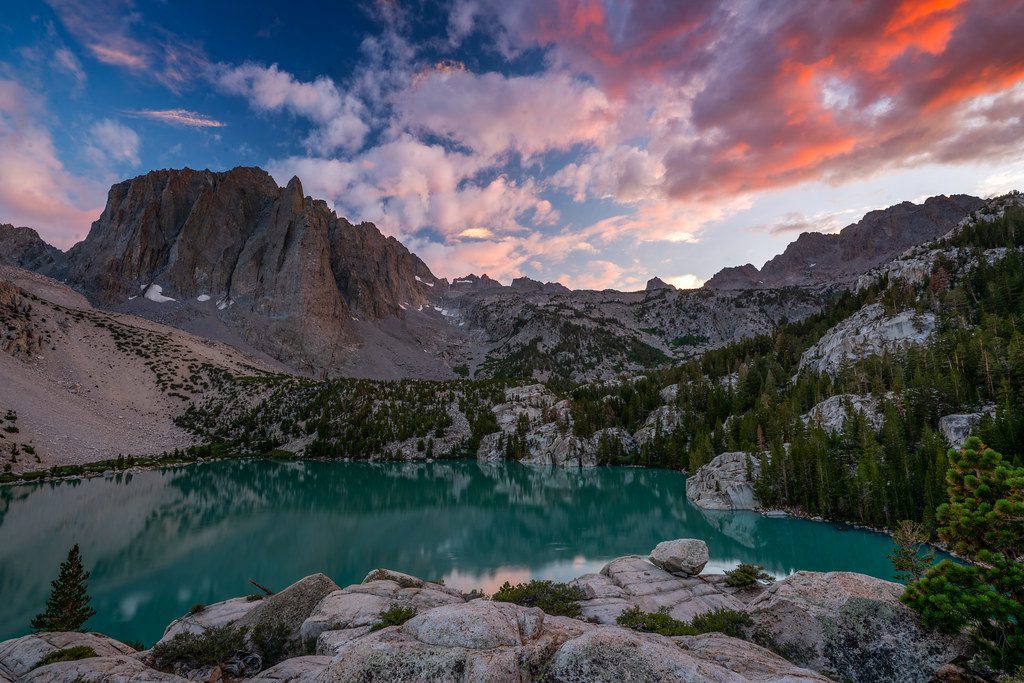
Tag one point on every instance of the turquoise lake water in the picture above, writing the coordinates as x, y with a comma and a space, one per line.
157, 542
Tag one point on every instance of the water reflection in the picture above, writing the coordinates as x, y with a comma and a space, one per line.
158, 542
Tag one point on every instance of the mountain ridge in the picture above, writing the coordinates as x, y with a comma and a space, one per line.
233, 256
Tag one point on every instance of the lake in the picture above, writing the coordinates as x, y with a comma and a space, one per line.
159, 541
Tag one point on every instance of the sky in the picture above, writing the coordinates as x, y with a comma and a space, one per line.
596, 143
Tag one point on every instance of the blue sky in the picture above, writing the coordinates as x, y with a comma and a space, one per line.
596, 143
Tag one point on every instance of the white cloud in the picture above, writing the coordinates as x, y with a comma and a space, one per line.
338, 116
114, 142
66, 60
686, 281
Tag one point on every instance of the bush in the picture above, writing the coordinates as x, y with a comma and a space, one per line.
272, 642
69, 654
197, 608
747, 575
557, 599
193, 650
726, 621
396, 615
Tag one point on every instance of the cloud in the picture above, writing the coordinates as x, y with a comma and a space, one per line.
115, 33
66, 60
772, 95
178, 117
491, 113
686, 281
35, 187
111, 141
338, 115
406, 185
825, 221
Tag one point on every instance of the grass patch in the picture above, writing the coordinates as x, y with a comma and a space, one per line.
68, 654
396, 615
727, 621
558, 599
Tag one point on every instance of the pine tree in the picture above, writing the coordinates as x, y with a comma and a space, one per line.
907, 559
67, 608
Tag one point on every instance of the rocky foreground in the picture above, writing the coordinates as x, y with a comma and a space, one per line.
809, 626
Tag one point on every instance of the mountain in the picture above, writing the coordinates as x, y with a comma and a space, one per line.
279, 268
816, 258
232, 257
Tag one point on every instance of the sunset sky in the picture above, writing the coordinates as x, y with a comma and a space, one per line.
595, 143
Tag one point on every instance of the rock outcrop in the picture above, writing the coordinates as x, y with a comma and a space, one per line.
832, 413
851, 627
868, 332
957, 428
825, 259
24, 248
725, 483
633, 581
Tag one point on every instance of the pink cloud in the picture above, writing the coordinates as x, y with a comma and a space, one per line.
35, 188
109, 30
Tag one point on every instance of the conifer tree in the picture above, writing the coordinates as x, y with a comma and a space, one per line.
67, 608
983, 521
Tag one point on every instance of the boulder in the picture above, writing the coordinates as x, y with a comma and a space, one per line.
212, 616
850, 627
19, 655
358, 607
724, 483
290, 607
108, 669
686, 556
295, 670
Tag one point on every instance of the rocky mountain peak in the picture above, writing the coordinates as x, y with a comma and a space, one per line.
816, 258
656, 283
280, 267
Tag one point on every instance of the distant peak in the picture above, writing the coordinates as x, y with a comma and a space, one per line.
656, 283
